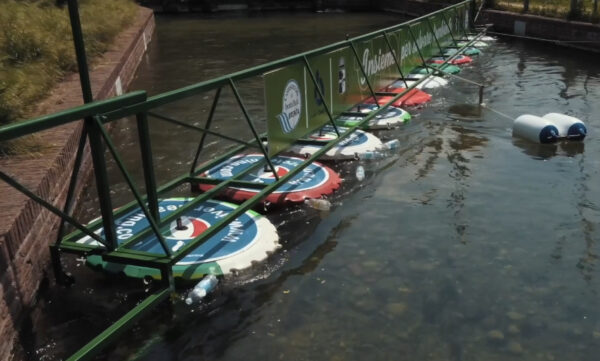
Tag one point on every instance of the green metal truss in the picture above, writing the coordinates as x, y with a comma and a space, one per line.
97, 114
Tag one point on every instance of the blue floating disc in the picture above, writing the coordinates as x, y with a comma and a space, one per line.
249, 238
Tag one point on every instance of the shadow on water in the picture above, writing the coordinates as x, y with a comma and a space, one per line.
547, 151
466, 112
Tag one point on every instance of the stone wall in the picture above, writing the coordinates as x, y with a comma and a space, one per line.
26, 229
586, 35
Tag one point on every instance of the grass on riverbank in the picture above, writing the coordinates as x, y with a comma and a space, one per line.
36, 47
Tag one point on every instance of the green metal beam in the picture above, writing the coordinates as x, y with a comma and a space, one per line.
147, 163
191, 90
19, 187
199, 129
207, 127
84, 76
109, 335
362, 69
321, 96
262, 147
120, 164
176, 182
393, 52
19, 129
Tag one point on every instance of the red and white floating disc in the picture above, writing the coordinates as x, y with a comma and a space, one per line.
356, 144
459, 60
314, 181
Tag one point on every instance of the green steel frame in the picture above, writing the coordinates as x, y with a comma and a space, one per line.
97, 114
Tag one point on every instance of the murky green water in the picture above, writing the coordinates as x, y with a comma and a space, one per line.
466, 244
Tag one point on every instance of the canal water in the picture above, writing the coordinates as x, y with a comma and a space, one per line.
464, 244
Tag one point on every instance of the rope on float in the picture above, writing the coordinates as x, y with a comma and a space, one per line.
497, 112
442, 71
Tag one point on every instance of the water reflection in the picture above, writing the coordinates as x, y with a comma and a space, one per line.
536, 150
466, 112
547, 151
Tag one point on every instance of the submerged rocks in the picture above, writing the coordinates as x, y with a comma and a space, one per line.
514, 316
396, 308
495, 336
513, 330
514, 348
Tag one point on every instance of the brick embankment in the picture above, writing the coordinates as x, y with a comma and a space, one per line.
26, 229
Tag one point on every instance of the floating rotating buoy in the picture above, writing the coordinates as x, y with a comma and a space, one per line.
389, 118
568, 127
470, 51
411, 98
535, 129
459, 60
356, 144
448, 68
314, 181
249, 238
477, 44
431, 82
481, 38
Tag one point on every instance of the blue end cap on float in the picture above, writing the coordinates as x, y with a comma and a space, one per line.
576, 131
549, 134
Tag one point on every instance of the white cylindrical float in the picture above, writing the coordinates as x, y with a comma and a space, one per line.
568, 127
535, 129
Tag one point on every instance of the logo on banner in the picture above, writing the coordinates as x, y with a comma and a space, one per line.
321, 86
291, 107
188, 228
342, 76
376, 63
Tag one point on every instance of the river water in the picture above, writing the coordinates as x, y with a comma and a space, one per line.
465, 244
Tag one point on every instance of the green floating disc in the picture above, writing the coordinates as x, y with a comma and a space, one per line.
468, 51
391, 117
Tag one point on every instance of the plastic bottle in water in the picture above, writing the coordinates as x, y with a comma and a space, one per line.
371, 155
319, 204
392, 144
203, 287
360, 173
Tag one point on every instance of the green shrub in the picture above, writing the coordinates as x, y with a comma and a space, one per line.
36, 46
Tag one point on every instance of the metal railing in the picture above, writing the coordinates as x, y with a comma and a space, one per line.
98, 114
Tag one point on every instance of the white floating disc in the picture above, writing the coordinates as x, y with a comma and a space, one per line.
249, 238
389, 118
431, 82
357, 143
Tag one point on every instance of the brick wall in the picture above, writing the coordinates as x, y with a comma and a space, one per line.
26, 229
